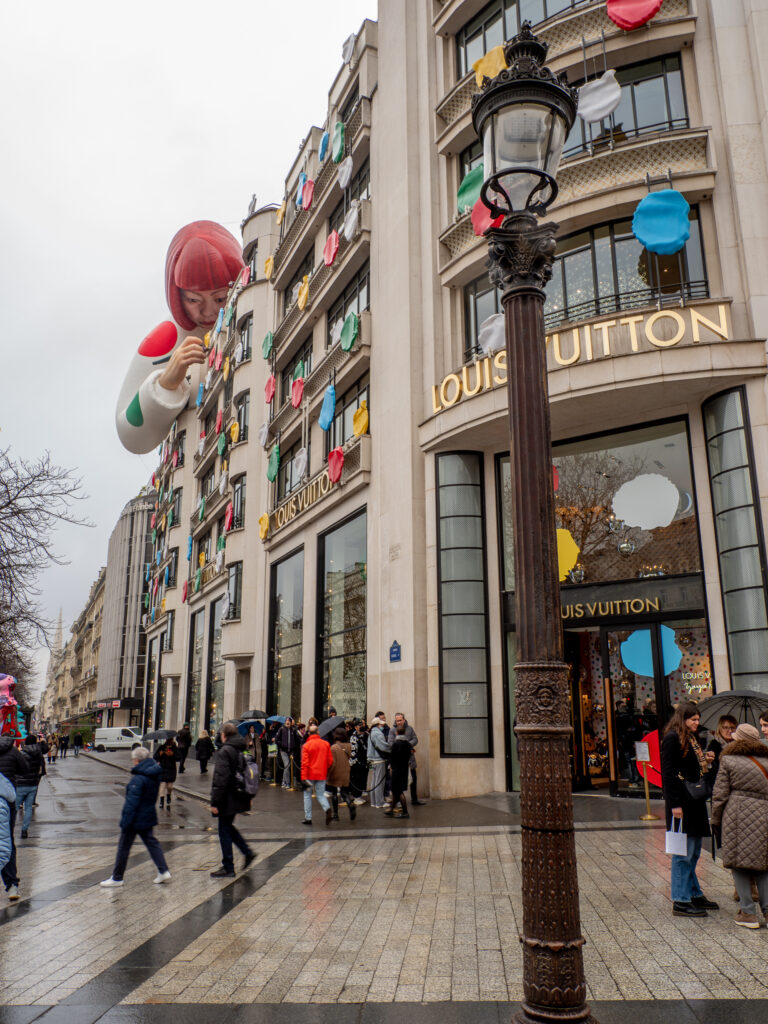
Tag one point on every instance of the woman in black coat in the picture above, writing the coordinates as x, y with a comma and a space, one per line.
166, 758
683, 760
726, 727
204, 750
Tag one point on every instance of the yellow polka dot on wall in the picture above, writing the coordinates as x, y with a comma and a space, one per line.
567, 552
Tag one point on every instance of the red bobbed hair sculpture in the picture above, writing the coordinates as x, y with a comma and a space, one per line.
202, 256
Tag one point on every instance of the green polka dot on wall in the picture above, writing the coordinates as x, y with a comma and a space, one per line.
133, 413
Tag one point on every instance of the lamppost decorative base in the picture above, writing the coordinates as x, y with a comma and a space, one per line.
528, 1014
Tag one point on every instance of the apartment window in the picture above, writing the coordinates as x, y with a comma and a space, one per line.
462, 607
170, 620
302, 358
229, 387
220, 529
358, 188
177, 505
235, 589
652, 100
287, 477
179, 447
238, 502
740, 544
291, 292
173, 567
341, 430
470, 158
287, 634
499, 21
241, 415
246, 337
355, 299
481, 300
342, 651
208, 483
350, 103
203, 548
209, 425
253, 261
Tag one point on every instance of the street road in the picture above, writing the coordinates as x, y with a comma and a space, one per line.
363, 921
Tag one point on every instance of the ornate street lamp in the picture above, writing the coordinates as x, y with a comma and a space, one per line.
523, 117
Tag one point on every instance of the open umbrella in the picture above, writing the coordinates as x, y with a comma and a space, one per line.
159, 734
325, 728
243, 727
246, 715
743, 705
277, 718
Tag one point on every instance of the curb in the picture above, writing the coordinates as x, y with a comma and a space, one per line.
181, 789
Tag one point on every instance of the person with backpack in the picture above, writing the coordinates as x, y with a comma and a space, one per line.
166, 758
229, 797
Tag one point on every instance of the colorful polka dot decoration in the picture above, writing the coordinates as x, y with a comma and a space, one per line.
159, 341
632, 14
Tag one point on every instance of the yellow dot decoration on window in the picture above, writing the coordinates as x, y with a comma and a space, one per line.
281, 212
234, 432
360, 420
201, 559
207, 339
162, 606
567, 553
269, 266
263, 526
225, 371
490, 64
301, 302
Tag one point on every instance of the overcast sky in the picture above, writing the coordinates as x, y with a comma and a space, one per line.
120, 124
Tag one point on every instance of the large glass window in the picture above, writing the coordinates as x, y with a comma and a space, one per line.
235, 589
287, 477
652, 465
358, 188
149, 707
739, 538
341, 429
499, 21
195, 673
215, 671
287, 633
462, 606
342, 611
355, 299
302, 361
652, 100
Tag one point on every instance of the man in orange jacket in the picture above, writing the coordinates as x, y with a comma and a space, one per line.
316, 759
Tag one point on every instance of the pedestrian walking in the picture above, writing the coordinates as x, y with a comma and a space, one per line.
378, 753
253, 744
358, 778
27, 781
413, 741
77, 743
316, 759
204, 751
740, 816
683, 761
53, 747
339, 774
12, 765
183, 743
228, 799
287, 740
63, 744
139, 817
7, 804
399, 760
166, 758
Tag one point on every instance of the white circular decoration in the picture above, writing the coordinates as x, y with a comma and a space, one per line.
344, 173
351, 221
649, 501
348, 48
223, 483
490, 337
300, 462
263, 435
219, 561
238, 352
599, 99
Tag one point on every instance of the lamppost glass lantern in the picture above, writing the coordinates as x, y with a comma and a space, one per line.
523, 117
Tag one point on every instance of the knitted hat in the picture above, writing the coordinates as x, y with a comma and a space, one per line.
746, 732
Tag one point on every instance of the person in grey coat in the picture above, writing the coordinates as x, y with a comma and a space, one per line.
378, 753
413, 739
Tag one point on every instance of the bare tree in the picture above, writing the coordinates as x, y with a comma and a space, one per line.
35, 497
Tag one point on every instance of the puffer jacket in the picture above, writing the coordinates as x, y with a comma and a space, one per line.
7, 797
225, 796
33, 754
12, 761
316, 758
740, 806
140, 795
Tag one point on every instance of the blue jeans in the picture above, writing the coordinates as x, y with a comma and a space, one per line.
228, 835
685, 884
319, 787
25, 797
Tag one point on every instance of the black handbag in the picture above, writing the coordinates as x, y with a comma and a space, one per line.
699, 790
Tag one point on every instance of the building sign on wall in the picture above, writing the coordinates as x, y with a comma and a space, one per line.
312, 492
609, 609
619, 335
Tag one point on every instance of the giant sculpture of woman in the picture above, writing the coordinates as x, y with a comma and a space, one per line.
203, 261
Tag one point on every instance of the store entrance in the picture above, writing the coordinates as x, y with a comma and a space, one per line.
625, 683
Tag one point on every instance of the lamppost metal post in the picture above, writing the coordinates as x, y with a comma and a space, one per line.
521, 253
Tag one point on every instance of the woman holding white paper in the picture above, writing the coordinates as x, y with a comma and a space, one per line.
683, 761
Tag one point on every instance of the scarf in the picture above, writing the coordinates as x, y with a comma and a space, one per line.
703, 762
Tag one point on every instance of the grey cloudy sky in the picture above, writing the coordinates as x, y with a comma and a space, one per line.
121, 123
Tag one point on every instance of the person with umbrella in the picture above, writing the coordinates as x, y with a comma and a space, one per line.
316, 759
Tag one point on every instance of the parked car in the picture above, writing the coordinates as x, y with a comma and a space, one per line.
116, 739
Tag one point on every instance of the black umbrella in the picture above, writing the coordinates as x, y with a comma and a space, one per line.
252, 714
743, 705
327, 727
159, 734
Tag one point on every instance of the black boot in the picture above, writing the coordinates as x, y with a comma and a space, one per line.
688, 910
704, 904
162, 802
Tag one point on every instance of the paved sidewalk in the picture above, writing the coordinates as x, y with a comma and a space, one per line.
360, 923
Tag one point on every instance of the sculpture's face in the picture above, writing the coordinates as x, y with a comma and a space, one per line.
7, 686
203, 307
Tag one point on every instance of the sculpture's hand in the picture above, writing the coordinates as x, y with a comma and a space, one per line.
189, 352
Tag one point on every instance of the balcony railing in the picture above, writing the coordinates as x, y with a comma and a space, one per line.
604, 305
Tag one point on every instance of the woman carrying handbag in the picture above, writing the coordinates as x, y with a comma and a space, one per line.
740, 814
684, 770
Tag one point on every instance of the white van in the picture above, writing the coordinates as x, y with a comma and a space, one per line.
116, 739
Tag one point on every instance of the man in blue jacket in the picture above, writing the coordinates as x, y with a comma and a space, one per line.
139, 817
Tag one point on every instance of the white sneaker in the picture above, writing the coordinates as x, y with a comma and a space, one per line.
164, 876
13, 892
110, 883
359, 801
